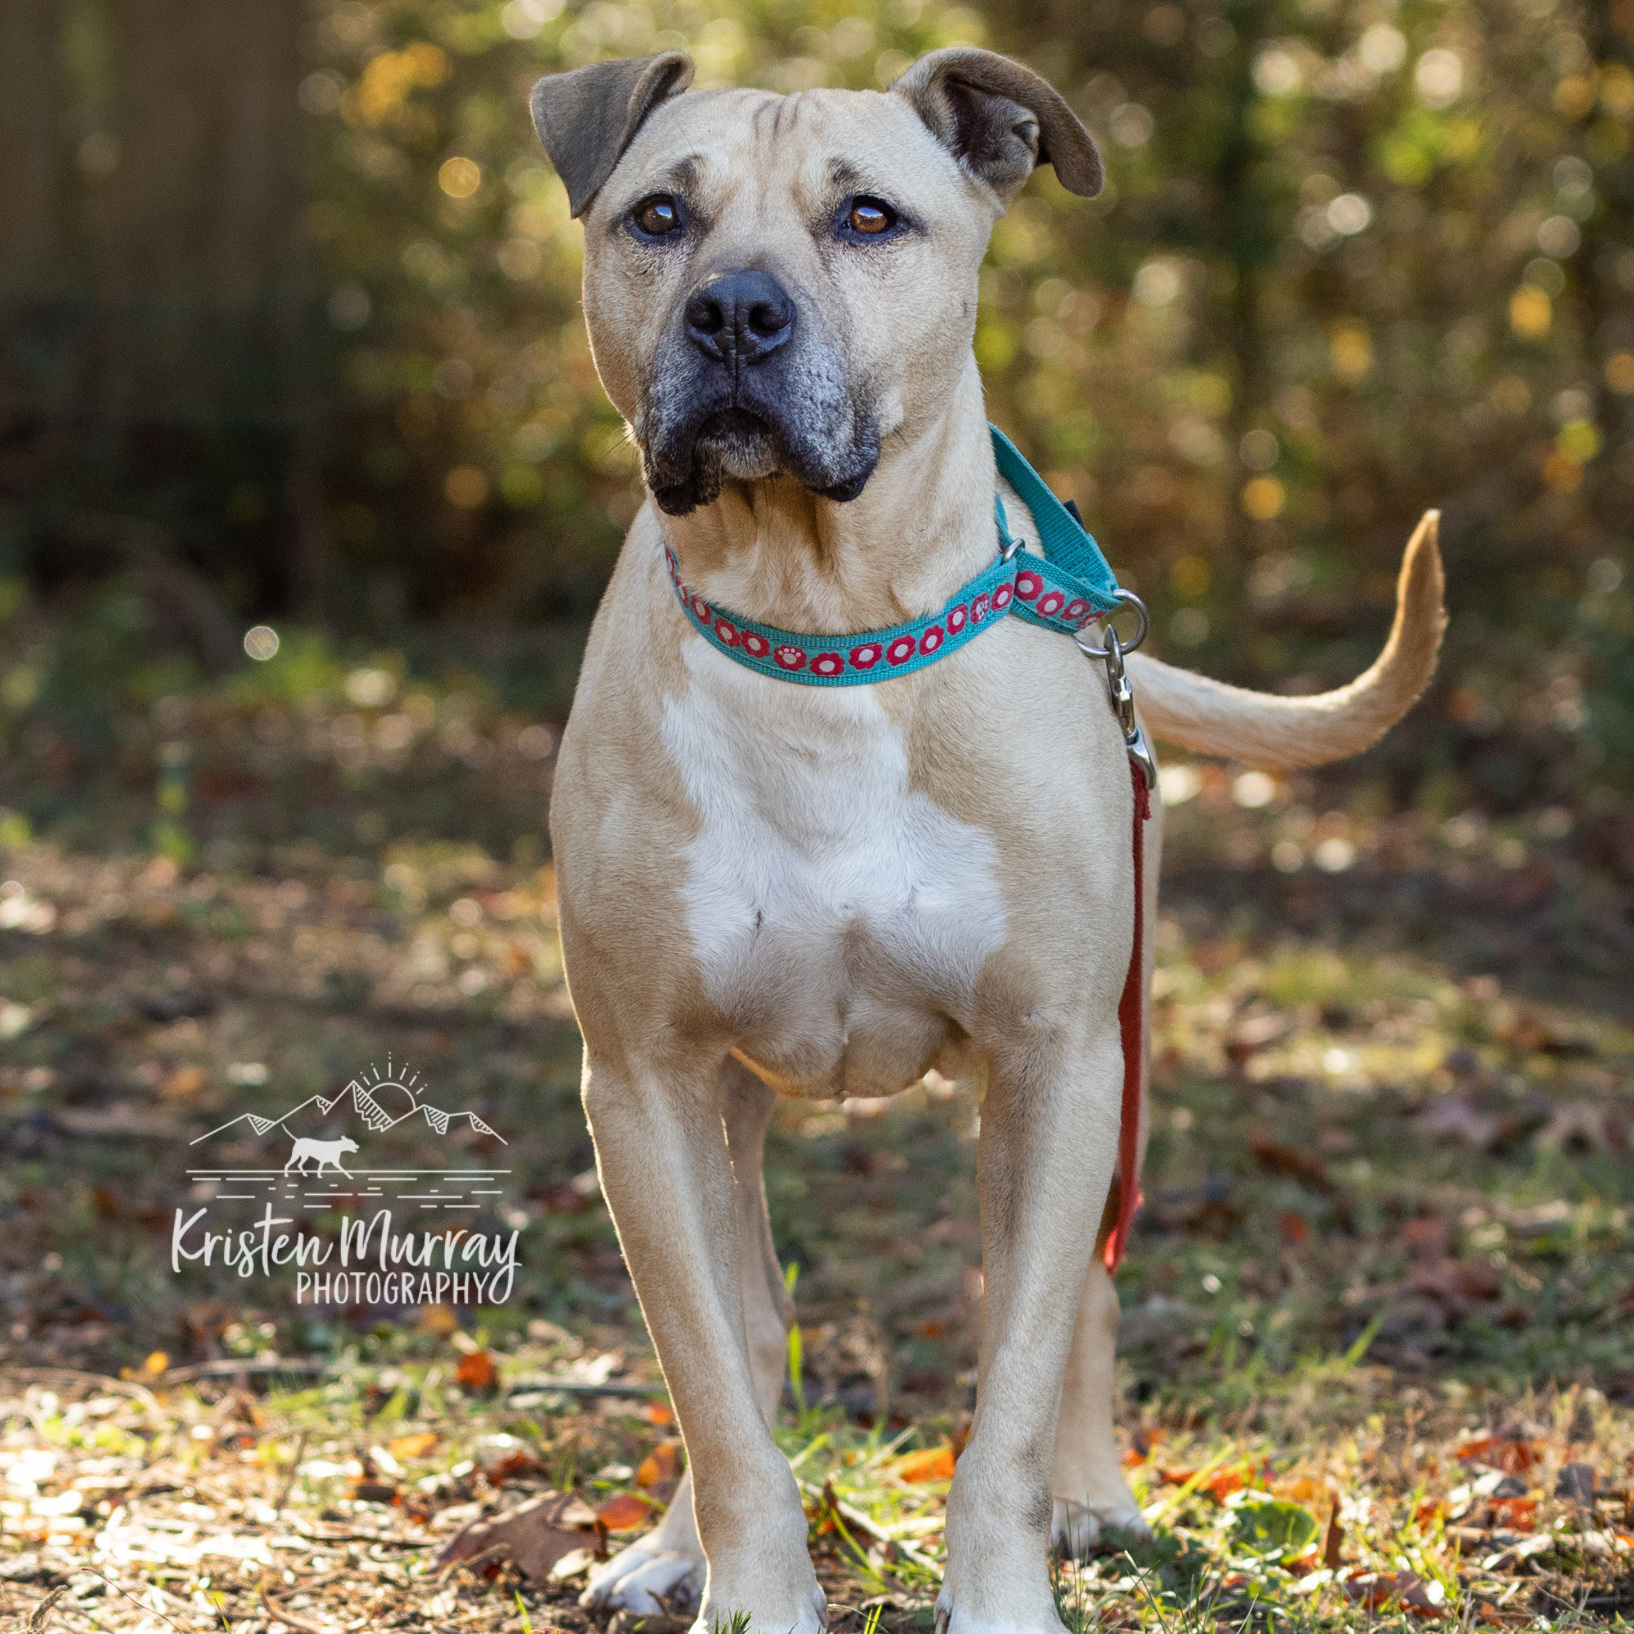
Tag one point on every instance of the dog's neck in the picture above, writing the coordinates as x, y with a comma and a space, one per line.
781, 555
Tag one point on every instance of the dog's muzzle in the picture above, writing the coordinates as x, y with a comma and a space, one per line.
747, 387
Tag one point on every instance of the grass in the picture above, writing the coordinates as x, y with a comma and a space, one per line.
1383, 1276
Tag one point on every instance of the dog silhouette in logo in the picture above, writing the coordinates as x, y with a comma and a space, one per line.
327, 1152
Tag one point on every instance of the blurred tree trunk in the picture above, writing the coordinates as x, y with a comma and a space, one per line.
33, 223
200, 270
155, 356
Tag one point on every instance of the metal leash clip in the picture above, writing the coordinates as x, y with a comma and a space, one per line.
1117, 683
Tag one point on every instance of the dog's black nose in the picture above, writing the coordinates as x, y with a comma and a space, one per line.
739, 317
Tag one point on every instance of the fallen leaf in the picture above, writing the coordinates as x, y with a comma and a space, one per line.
1218, 1484
659, 1413
1452, 1280
1515, 1514
1222, 1483
1295, 1228
1276, 1158
183, 1082
1513, 1455
373, 1492
1333, 1540
1141, 1442
1426, 1237
476, 1371
533, 1537
929, 1464
662, 1464
1406, 1589
513, 1466
412, 1446
1301, 1489
623, 1512
156, 1363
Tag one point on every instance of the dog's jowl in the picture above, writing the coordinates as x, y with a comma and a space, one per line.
827, 890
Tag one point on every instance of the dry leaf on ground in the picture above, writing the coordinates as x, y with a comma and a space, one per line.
532, 1537
931, 1464
623, 1512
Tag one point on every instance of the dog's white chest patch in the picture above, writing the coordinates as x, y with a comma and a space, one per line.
826, 899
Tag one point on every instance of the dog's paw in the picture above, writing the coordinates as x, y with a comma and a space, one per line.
647, 1577
807, 1614
1078, 1529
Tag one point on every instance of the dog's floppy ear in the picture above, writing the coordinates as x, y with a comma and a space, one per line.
999, 119
588, 116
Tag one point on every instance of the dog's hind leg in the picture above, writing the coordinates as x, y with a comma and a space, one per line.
668, 1565
1091, 1494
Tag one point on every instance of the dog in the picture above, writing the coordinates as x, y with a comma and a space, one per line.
775, 890
328, 1154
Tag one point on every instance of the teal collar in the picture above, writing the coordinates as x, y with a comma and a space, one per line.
1062, 590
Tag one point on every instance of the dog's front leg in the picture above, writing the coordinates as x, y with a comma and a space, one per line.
667, 1175
1048, 1134
668, 1563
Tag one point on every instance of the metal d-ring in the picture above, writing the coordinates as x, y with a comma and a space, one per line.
1119, 691
1116, 646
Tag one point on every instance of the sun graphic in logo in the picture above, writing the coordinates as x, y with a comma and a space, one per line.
380, 1097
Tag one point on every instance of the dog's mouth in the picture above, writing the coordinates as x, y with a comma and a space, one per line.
741, 441
690, 465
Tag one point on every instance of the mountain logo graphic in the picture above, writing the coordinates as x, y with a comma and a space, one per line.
377, 1097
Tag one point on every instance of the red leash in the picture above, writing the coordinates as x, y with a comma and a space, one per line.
1129, 1027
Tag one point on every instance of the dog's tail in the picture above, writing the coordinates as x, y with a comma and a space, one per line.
1265, 730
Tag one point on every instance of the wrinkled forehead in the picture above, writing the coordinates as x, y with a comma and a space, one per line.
725, 148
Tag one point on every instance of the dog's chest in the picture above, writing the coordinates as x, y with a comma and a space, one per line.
837, 912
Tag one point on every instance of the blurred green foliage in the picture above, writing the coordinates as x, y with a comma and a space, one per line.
1355, 258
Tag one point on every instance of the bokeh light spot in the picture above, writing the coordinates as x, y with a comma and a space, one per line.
459, 177
466, 487
1263, 498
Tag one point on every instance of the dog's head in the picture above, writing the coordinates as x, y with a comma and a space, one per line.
348, 1145
775, 284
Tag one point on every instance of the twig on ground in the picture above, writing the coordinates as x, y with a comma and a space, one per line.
125, 1593
294, 1470
100, 1381
37, 1617
229, 1368
289, 1619
577, 1387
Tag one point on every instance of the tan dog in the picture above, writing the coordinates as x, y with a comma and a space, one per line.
772, 889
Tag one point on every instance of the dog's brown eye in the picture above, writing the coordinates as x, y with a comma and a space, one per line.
658, 216
870, 216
